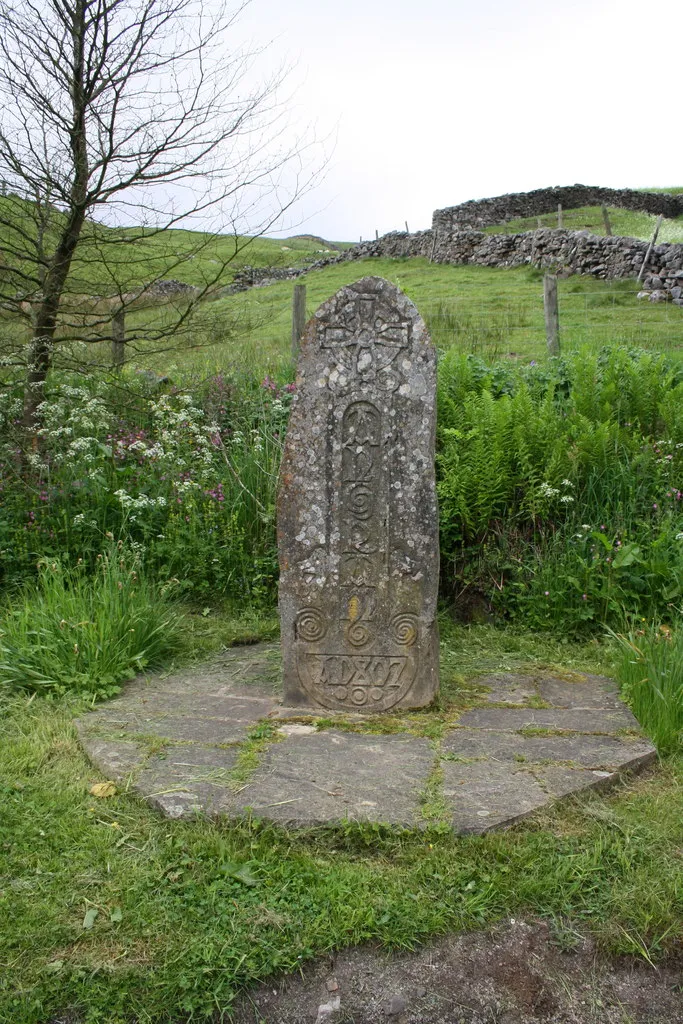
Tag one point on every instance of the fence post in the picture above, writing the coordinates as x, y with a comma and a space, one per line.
298, 317
650, 247
552, 314
118, 338
605, 217
407, 228
559, 215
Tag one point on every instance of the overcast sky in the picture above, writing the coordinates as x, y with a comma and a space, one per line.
433, 102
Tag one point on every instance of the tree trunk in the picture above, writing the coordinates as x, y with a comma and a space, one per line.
42, 342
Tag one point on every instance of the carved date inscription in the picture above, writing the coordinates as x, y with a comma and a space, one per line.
358, 679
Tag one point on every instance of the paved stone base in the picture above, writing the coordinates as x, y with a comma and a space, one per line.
217, 741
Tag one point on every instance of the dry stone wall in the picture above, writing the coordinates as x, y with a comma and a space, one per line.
450, 240
571, 252
483, 213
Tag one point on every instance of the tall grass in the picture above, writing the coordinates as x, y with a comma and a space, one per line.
80, 633
651, 675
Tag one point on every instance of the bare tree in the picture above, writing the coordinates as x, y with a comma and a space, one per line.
121, 119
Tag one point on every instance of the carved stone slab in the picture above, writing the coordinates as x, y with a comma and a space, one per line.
357, 516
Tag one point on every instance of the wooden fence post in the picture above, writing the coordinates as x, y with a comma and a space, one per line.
118, 338
298, 317
407, 228
559, 215
650, 248
376, 235
552, 314
605, 217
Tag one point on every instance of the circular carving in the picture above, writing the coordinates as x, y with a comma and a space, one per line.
310, 625
358, 634
387, 380
376, 693
404, 628
341, 693
360, 501
359, 696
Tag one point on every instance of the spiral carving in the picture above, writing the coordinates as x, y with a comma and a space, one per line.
360, 501
358, 634
404, 628
310, 625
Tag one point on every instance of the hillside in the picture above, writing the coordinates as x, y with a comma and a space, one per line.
136, 256
488, 311
589, 218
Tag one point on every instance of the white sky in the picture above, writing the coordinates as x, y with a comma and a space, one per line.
435, 102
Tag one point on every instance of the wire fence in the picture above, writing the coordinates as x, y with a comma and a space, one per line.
507, 325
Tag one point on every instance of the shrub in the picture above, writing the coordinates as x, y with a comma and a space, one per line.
561, 487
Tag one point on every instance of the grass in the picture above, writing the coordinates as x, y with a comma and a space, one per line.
139, 255
84, 634
109, 911
491, 312
651, 674
627, 223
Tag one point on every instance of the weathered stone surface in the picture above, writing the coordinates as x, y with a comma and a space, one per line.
186, 727
584, 692
594, 752
186, 780
308, 775
559, 781
357, 517
333, 775
566, 719
487, 794
508, 688
115, 758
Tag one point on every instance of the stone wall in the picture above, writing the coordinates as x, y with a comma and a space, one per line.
570, 252
561, 251
483, 213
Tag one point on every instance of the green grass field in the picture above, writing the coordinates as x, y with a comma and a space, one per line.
491, 312
628, 223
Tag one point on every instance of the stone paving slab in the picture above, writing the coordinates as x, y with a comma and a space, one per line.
568, 720
595, 752
328, 776
115, 758
508, 688
592, 692
575, 691
487, 794
176, 741
188, 780
223, 720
